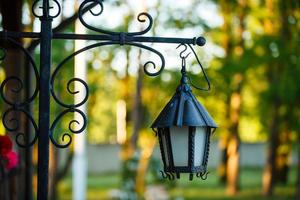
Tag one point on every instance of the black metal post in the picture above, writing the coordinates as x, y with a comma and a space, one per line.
44, 103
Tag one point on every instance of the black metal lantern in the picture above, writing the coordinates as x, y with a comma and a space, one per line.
183, 129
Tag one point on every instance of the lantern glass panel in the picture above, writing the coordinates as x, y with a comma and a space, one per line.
164, 144
199, 146
180, 145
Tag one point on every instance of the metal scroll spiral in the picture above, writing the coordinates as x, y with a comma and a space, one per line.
90, 4
13, 125
39, 5
66, 138
9, 119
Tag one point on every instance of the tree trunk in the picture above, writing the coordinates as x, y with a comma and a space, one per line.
222, 168
28, 82
223, 145
227, 45
53, 164
269, 174
137, 113
233, 162
282, 160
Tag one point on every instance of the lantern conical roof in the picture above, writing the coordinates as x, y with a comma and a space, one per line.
184, 110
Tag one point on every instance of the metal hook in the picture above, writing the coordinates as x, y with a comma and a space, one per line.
184, 50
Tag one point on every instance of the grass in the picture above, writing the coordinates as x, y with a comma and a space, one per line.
99, 187
251, 185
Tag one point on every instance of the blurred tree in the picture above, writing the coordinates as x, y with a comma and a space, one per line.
11, 12
282, 93
233, 72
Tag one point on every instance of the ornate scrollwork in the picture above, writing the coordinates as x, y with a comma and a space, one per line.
14, 86
73, 80
12, 124
89, 4
19, 86
40, 4
66, 138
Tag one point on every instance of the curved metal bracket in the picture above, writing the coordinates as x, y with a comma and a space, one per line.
203, 71
183, 70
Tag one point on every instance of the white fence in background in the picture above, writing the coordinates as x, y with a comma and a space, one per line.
105, 158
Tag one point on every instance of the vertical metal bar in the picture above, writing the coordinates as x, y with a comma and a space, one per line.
191, 147
206, 151
44, 103
162, 150
169, 149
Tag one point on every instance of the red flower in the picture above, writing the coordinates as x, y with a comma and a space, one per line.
5, 145
12, 160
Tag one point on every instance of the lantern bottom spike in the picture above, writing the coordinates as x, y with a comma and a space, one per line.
169, 175
191, 176
202, 175
172, 176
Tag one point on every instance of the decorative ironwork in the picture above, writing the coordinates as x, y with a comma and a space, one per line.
13, 125
66, 138
46, 10
45, 7
19, 82
9, 119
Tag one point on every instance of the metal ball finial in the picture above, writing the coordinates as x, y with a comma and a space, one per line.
200, 41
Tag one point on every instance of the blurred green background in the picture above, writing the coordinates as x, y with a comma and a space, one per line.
252, 58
